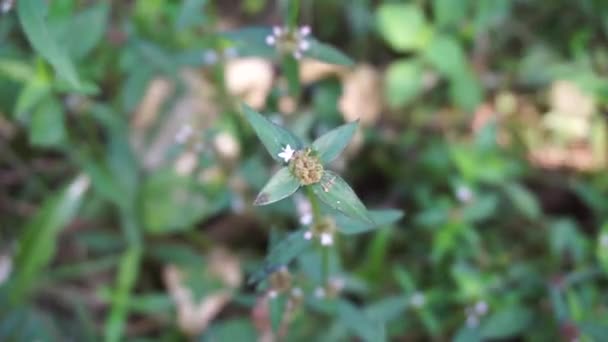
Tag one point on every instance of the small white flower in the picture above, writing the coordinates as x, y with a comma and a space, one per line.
277, 31
308, 235
210, 57
183, 134
297, 54
319, 292
304, 45
287, 153
464, 194
327, 239
305, 31
306, 219
417, 300
7, 5
604, 240
271, 40
272, 294
481, 307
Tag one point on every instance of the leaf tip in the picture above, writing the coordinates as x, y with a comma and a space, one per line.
262, 199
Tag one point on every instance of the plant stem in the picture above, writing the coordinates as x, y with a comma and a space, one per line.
317, 216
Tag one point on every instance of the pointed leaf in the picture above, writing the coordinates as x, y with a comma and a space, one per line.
37, 244
281, 185
381, 218
327, 53
362, 325
335, 192
273, 136
32, 19
281, 254
331, 144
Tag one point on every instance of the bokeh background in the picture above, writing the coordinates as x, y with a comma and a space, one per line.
126, 205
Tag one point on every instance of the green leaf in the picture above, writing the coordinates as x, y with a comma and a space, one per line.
127, 275
447, 56
93, 21
273, 136
37, 244
335, 192
327, 53
331, 144
449, 12
283, 184
47, 126
466, 91
403, 26
281, 254
523, 200
191, 14
380, 218
388, 309
171, 203
251, 41
32, 19
505, 323
277, 308
402, 82
359, 323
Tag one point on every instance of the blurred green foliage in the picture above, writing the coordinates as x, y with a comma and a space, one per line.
505, 232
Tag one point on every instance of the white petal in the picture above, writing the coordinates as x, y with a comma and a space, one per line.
271, 40
304, 45
305, 31
277, 31
297, 55
308, 235
327, 239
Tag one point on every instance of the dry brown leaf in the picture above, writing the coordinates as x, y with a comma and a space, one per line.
361, 95
312, 70
250, 79
193, 317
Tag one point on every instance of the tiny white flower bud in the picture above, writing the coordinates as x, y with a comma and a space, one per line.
481, 308
305, 31
297, 55
304, 45
464, 194
271, 40
308, 235
231, 52
210, 57
320, 292
417, 300
272, 294
306, 219
327, 239
277, 31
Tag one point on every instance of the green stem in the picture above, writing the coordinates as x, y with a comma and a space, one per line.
317, 216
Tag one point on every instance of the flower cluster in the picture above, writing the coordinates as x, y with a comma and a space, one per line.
475, 312
290, 41
323, 230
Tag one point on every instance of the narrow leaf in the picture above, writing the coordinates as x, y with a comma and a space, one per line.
331, 144
280, 186
251, 41
47, 125
273, 136
32, 19
335, 192
281, 254
127, 275
327, 53
37, 245
380, 218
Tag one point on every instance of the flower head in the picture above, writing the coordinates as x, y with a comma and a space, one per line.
287, 153
290, 41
